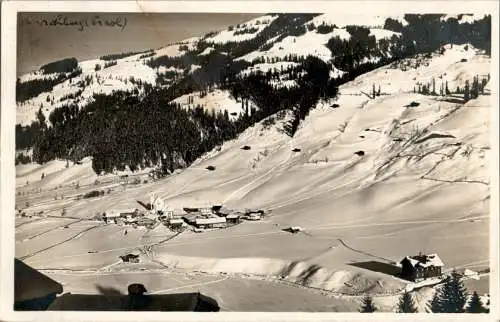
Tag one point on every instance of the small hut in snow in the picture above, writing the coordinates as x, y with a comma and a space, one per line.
420, 267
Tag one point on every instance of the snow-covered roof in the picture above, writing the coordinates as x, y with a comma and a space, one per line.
424, 260
121, 211
233, 216
213, 220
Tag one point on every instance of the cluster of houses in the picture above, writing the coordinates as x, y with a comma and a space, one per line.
198, 218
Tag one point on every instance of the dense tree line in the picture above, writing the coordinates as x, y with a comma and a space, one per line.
426, 33
470, 90
423, 34
324, 28
32, 88
121, 130
123, 55
66, 65
22, 158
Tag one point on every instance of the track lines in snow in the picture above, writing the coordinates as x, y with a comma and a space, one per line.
395, 223
190, 285
362, 252
456, 180
52, 229
79, 234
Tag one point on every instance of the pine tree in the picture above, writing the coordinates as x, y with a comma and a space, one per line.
483, 85
368, 306
452, 296
373, 91
467, 91
475, 305
378, 92
447, 90
433, 86
475, 87
406, 304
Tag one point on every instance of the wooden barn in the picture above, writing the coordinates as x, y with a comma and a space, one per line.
190, 218
214, 222
420, 267
233, 219
130, 258
176, 223
223, 212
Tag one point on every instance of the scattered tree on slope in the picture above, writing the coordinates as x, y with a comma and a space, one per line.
475, 305
406, 304
451, 297
367, 304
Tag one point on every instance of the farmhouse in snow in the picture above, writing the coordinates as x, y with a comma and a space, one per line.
214, 222
420, 267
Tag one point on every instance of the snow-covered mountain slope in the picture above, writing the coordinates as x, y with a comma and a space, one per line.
241, 32
130, 73
370, 171
216, 100
341, 21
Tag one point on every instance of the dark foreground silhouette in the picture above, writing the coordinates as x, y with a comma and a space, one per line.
36, 291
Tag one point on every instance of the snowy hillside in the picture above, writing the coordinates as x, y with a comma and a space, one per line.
384, 158
216, 100
359, 174
130, 73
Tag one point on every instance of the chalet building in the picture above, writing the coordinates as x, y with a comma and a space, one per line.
144, 221
223, 211
253, 216
165, 214
176, 223
207, 212
190, 218
214, 222
419, 267
191, 210
130, 258
116, 214
129, 213
216, 208
233, 219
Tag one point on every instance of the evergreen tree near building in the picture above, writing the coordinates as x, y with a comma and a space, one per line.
378, 92
475, 305
451, 297
483, 85
475, 87
367, 304
466, 91
406, 304
446, 89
